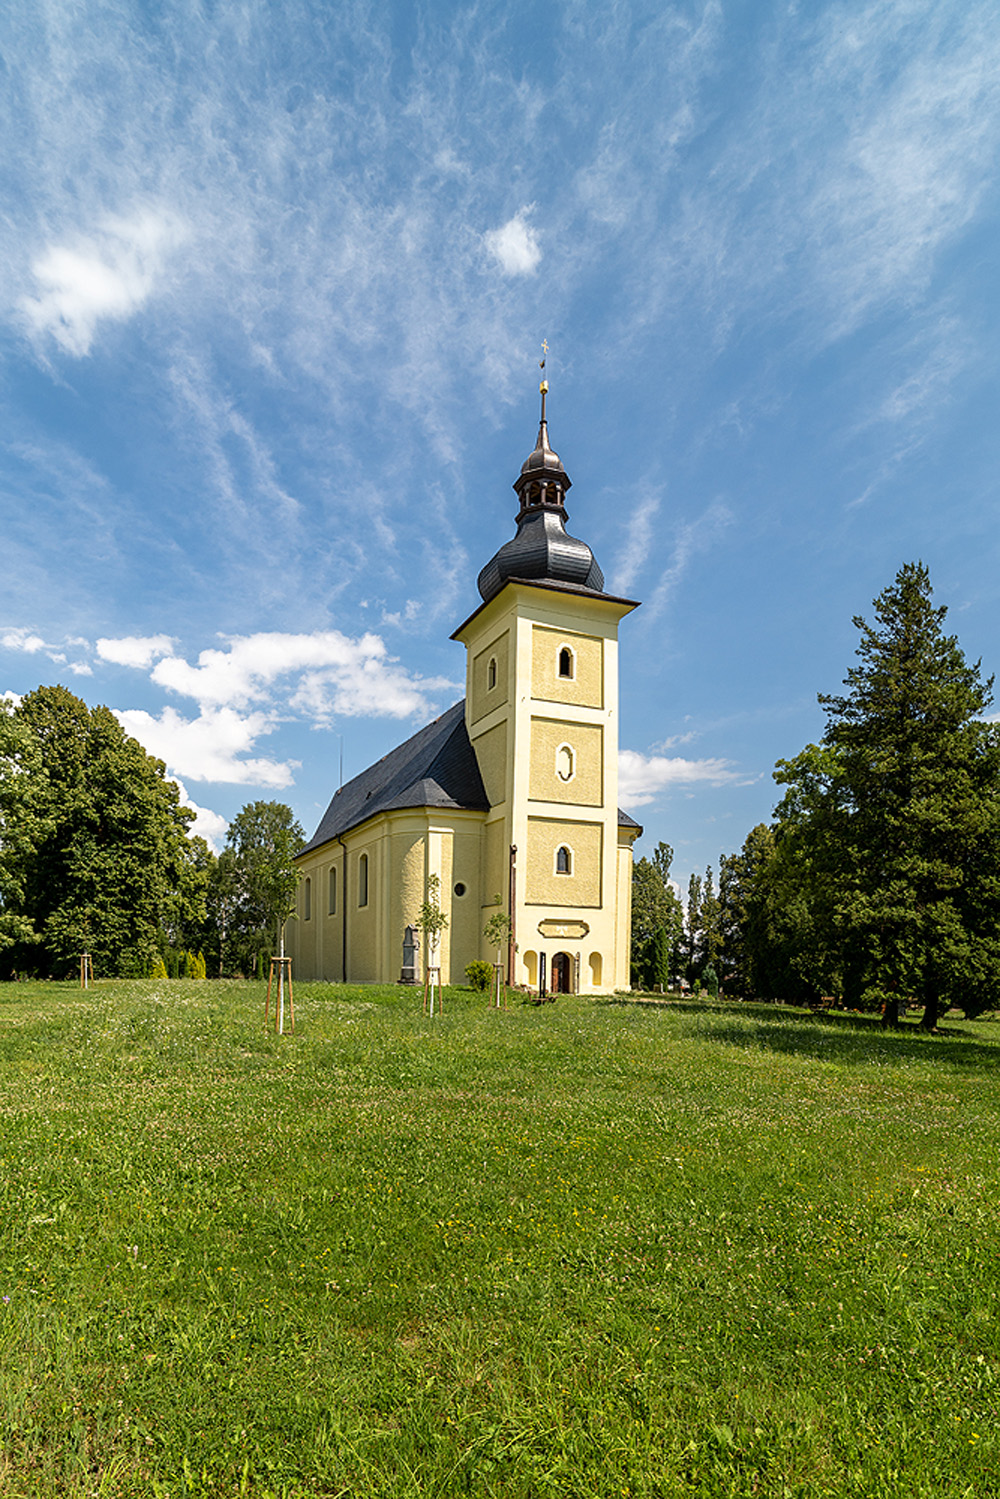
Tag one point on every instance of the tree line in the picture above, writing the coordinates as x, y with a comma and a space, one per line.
877, 882
96, 856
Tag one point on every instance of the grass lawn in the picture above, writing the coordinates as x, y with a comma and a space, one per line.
589, 1248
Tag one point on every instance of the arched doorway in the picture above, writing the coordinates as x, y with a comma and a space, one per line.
562, 973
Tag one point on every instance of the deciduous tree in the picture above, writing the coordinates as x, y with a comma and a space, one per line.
252, 891
111, 866
655, 908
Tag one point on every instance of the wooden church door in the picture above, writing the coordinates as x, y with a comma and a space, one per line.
562, 969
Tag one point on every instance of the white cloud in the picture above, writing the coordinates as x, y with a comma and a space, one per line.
21, 640
211, 826
11, 697
351, 677
107, 274
209, 747
81, 668
134, 650
641, 778
515, 246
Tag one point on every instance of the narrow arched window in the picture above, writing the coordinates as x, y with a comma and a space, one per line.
307, 900
333, 892
565, 762
566, 662
564, 860
491, 674
363, 880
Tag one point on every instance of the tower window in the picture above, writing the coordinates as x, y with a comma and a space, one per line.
307, 900
566, 662
491, 674
363, 880
333, 892
565, 762
564, 860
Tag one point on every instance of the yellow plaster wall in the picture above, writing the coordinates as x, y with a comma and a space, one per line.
362, 923
622, 977
587, 743
491, 752
495, 863
585, 688
545, 887
484, 700
464, 911
406, 891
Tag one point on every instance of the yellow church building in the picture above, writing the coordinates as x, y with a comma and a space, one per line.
512, 792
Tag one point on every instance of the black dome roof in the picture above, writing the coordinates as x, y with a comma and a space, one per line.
542, 549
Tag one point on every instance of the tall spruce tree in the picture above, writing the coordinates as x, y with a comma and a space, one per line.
897, 815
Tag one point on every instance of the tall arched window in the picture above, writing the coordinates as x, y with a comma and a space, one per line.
491, 674
564, 860
565, 762
307, 900
363, 880
333, 892
566, 662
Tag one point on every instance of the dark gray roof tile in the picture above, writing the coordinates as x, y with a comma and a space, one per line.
436, 768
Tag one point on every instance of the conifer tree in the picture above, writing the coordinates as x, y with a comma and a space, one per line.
897, 815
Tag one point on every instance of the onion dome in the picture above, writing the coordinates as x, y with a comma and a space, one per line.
542, 549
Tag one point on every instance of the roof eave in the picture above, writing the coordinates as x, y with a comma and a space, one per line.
548, 585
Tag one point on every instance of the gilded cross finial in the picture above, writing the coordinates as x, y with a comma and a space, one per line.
544, 386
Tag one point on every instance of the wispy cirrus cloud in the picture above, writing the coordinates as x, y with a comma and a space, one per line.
690, 539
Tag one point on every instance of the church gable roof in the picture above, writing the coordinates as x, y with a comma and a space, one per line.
436, 768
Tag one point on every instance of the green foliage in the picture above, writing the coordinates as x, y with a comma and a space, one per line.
252, 886
656, 974
497, 931
711, 981
479, 975
104, 863
582, 1251
655, 908
194, 965
889, 832
24, 822
159, 968
431, 920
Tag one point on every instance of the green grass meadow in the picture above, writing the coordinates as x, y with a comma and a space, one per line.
588, 1248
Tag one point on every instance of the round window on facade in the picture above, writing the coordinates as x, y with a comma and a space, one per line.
459, 888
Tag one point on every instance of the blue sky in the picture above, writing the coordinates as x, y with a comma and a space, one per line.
274, 284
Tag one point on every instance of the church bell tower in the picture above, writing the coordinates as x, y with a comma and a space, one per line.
541, 711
